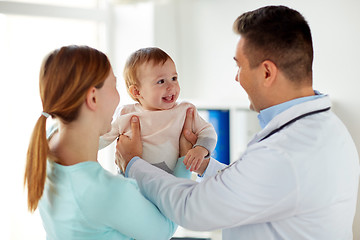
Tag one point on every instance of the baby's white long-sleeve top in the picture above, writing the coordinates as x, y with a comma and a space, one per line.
160, 132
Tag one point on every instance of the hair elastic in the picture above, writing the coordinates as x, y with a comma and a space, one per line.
45, 114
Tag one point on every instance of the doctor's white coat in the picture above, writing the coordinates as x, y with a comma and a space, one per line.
301, 182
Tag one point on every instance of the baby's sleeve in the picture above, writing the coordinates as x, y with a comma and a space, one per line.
206, 133
109, 137
119, 125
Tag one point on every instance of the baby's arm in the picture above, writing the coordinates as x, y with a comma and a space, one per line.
194, 157
110, 136
114, 133
205, 143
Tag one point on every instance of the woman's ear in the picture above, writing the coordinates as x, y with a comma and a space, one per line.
270, 71
91, 98
133, 89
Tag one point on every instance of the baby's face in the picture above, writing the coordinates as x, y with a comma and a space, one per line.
159, 87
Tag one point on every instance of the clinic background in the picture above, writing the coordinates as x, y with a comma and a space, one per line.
197, 34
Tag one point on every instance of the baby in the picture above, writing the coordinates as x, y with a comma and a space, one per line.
151, 80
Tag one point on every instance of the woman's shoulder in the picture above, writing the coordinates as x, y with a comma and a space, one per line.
102, 197
99, 179
95, 185
90, 182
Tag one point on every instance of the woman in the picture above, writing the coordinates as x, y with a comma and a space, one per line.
77, 198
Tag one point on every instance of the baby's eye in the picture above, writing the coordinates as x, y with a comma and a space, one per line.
160, 81
174, 78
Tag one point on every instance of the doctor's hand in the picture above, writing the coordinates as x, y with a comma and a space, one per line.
188, 139
126, 147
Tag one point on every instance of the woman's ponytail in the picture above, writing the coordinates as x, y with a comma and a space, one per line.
66, 75
35, 171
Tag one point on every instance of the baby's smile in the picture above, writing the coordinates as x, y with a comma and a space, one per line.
169, 98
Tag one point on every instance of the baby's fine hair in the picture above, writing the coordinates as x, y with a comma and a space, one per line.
136, 59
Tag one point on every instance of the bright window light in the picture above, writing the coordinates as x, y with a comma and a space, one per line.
23, 44
67, 3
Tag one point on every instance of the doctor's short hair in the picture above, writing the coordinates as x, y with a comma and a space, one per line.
151, 55
278, 34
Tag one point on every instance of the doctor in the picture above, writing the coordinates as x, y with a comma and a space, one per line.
298, 177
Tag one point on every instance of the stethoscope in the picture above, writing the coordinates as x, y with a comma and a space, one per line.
292, 121
284, 125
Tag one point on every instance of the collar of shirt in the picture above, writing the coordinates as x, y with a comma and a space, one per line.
266, 115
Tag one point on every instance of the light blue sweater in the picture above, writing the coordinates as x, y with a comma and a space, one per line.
84, 201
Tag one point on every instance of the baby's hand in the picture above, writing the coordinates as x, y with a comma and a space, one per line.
194, 157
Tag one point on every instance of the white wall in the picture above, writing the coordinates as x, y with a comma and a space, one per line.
198, 34
23, 45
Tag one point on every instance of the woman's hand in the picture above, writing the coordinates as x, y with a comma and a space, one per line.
126, 147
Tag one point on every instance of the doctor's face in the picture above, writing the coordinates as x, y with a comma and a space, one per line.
247, 77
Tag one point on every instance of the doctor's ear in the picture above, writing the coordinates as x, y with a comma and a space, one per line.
134, 91
270, 72
91, 98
